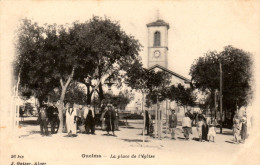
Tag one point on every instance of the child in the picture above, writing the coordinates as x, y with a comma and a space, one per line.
199, 128
212, 130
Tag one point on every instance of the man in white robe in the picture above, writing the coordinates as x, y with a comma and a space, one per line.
71, 114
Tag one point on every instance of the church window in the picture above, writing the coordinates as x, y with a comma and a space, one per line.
157, 39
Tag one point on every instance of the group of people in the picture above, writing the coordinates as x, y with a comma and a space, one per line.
80, 118
48, 114
206, 127
240, 128
83, 118
77, 117
110, 119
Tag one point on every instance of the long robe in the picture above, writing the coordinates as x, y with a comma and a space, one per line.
243, 128
70, 120
109, 120
205, 130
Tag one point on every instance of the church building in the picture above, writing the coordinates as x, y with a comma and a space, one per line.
158, 59
158, 56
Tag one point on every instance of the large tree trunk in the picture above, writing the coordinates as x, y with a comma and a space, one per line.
40, 99
89, 94
60, 108
101, 92
62, 96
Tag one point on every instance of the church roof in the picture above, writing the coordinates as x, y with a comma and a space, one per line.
170, 72
159, 22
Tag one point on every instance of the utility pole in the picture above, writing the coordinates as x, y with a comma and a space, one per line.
220, 96
143, 114
159, 123
215, 98
156, 117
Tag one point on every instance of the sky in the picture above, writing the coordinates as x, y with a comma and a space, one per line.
195, 26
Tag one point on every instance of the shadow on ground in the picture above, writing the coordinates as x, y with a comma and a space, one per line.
229, 141
230, 133
109, 135
28, 122
30, 133
196, 139
181, 138
135, 140
130, 127
72, 136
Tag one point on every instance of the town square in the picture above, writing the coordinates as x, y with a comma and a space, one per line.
100, 82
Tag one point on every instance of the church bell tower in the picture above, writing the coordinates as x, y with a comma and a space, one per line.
158, 43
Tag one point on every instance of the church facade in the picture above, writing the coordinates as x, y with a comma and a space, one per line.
158, 59
158, 56
158, 43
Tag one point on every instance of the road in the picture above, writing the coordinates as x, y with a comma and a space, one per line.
124, 148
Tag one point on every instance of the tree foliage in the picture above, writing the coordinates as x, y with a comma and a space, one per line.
120, 101
237, 75
30, 64
149, 82
51, 56
183, 96
112, 49
146, 81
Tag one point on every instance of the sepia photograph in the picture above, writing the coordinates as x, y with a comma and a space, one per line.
90, 82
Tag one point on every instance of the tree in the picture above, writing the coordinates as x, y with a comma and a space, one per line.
53, 56
147, 81
237, 76
120, 101
47, 59
183, 96
112, 49
30, 63
76, 93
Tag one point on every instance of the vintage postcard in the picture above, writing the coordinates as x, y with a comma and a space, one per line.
88, 82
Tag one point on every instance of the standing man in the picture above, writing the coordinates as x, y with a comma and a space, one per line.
243, 128
90, 123
186, 126
55, 121
147, 122
43, 121
71, 119
116, 119
81, 119
110, 120
52, 113
173, 123
102, 118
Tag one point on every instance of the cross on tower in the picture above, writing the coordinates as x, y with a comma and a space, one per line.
157, 14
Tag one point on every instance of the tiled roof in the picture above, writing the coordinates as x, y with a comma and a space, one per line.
158, 23
171, 72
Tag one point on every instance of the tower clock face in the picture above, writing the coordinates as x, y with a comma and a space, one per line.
157, 53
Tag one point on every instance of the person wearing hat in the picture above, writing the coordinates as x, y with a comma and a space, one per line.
172, 123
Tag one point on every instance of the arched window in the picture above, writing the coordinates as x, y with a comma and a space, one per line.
157, 39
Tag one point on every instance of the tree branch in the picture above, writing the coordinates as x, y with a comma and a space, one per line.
61, 83
70, 77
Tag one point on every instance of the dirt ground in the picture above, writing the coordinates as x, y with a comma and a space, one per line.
127, 147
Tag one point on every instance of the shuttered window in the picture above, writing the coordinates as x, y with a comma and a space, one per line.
157, 39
